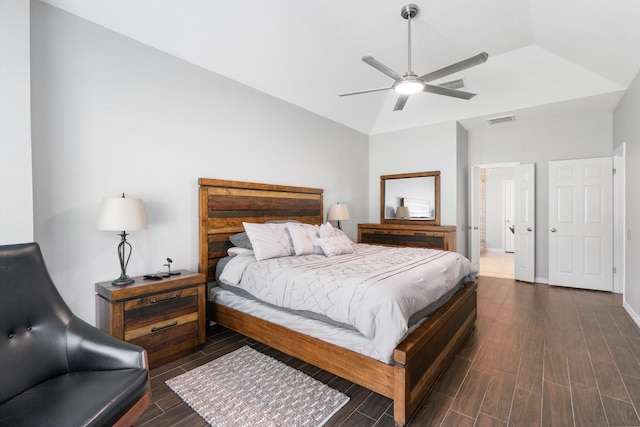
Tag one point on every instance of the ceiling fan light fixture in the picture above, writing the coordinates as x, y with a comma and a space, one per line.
408, 87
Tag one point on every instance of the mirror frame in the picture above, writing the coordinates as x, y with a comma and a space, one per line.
435, 221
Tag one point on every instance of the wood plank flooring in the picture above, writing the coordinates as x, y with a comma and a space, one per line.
538, 356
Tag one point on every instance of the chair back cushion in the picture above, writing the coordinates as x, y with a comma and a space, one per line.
33, 321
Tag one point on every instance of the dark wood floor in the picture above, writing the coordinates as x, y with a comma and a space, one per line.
538, 356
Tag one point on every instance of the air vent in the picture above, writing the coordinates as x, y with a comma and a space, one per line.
453, 84
501, 119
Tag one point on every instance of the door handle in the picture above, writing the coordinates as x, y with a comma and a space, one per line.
553, 230
528, 228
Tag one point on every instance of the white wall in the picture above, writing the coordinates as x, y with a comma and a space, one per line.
16, 201
570, 137
494, 198
626, 128
111, 115
425, 148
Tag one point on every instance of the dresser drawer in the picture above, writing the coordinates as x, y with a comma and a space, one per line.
378, 237
421, 239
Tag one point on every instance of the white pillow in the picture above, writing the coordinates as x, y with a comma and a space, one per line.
327, 230
236, 251
269, 240
337, 245
305, 239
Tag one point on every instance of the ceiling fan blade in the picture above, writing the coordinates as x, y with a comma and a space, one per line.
381, 67
448, 92
454, 68
365, 91
402, 99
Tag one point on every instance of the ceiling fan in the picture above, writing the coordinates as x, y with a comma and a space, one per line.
410, 83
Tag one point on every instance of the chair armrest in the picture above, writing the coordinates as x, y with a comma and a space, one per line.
90, 349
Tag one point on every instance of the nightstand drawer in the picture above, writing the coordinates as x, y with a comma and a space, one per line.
163, 345
158, 328
158, 308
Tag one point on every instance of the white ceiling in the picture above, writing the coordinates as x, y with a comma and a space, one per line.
545, 56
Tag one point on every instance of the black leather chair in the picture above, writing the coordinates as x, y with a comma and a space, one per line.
56, 369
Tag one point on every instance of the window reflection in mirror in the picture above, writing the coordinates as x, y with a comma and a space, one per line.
410, 198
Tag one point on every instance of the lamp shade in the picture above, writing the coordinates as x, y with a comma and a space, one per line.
338, 212
403, 212
121, 214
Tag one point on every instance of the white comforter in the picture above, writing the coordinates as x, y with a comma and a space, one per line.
374, 290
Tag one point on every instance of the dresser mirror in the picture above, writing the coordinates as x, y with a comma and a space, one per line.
410, 198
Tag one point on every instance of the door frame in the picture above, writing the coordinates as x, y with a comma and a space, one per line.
619, 220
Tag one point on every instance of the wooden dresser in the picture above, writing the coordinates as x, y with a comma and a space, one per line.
166, 316
419, 236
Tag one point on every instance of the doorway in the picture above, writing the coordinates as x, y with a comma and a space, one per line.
496, 221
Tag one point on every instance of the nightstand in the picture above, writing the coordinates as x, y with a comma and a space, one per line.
166, 317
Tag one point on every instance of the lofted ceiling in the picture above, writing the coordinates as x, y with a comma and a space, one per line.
546, 57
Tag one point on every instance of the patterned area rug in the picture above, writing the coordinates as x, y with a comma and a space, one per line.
247, 388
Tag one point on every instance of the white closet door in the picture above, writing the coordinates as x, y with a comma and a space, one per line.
581, 223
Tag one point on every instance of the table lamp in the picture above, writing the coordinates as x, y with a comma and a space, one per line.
338, 212
122, 214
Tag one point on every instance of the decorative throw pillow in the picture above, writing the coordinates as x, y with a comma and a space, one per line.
236, 251
241, 240
305, 239
327, 230
337, 245
269, 240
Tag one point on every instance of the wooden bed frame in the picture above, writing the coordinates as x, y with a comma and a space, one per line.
418, 360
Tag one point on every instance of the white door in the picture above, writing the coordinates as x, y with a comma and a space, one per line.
525, 219
508, 230
581, 223
474, 228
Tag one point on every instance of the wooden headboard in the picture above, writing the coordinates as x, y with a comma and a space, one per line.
224, 205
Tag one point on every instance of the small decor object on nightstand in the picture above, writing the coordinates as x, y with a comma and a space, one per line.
168, 265
121, 214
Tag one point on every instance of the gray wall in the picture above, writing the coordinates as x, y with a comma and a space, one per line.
571, 137
462, 191
112, 115
16, 203
426, 148
626, 128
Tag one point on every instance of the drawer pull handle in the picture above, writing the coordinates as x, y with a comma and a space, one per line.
154, 301
161, 328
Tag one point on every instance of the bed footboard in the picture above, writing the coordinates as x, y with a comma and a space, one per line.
419, 359
423, 356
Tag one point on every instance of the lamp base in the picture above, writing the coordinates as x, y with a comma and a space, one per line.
122, 281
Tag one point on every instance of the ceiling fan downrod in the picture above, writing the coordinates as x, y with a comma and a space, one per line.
409, 12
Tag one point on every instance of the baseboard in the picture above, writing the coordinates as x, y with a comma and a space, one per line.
634, 316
